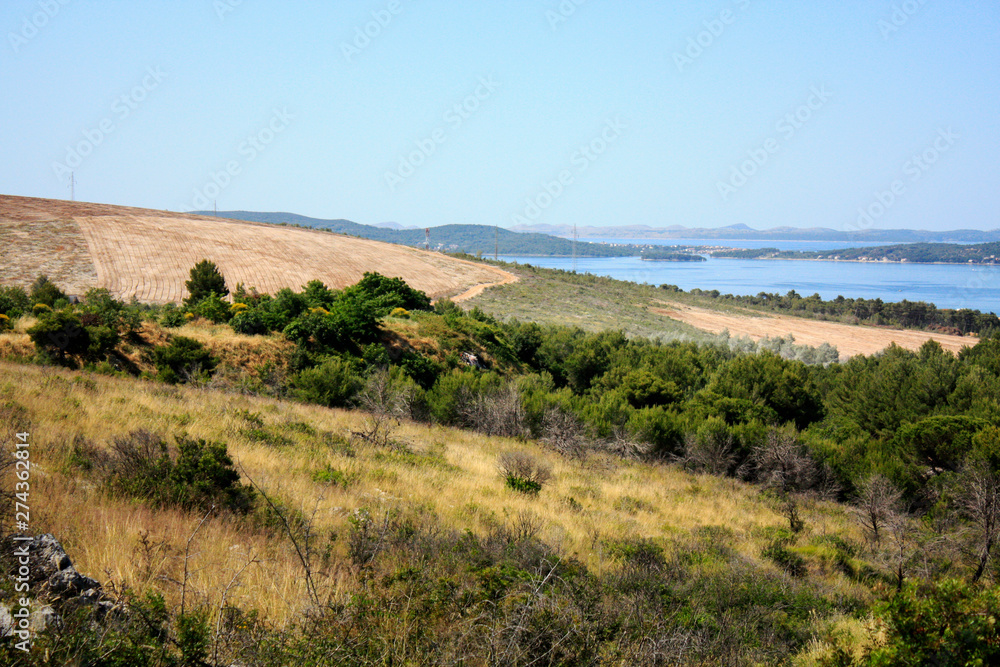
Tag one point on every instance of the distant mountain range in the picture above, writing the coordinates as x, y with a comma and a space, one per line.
745, 233
470, 239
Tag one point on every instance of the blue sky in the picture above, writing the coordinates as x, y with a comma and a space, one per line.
845, 114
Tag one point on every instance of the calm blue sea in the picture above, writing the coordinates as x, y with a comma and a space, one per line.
945, 285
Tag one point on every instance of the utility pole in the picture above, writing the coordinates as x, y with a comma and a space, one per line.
215, 207
72, 186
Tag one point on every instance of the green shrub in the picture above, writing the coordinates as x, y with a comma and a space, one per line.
60, 334
522, 485
947, 622
172, 317
334, 383
659, 427
45, 291
14, 301
249, 323
201, 474
384, 294
182, 359
103, 341
332, 477
213, 308
522, 472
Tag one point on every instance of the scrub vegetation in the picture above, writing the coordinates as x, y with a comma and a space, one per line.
360, 476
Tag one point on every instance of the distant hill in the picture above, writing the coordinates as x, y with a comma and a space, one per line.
392, 225
743, 232
917, 253
470, 239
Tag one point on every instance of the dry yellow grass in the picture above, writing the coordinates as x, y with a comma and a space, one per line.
450, 475
148, 254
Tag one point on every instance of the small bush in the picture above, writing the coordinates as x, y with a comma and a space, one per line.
201, 475
60, 334
332, 477
46, 292
522, 485
182, 359
171, 316
14, 301
522, 472
248, 322
213, 308
334, 383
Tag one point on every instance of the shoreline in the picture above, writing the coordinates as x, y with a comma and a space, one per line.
859, 261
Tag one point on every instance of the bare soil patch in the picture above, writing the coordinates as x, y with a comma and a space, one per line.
848, 339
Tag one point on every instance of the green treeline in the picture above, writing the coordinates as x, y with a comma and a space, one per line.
903, 314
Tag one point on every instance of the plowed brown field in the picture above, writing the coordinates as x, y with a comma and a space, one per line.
848, 339
148, 254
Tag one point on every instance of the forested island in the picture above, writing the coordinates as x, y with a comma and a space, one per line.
918, 253
663, 256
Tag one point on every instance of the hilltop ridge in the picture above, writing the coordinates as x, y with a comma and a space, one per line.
146, 253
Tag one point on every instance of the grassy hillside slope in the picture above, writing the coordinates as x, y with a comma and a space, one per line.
598, 511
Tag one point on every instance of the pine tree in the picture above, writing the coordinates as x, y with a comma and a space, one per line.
205, 279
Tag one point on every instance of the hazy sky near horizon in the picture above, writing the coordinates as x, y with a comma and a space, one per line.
551, 112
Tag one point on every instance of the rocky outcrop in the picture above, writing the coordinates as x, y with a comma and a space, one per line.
55, 586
